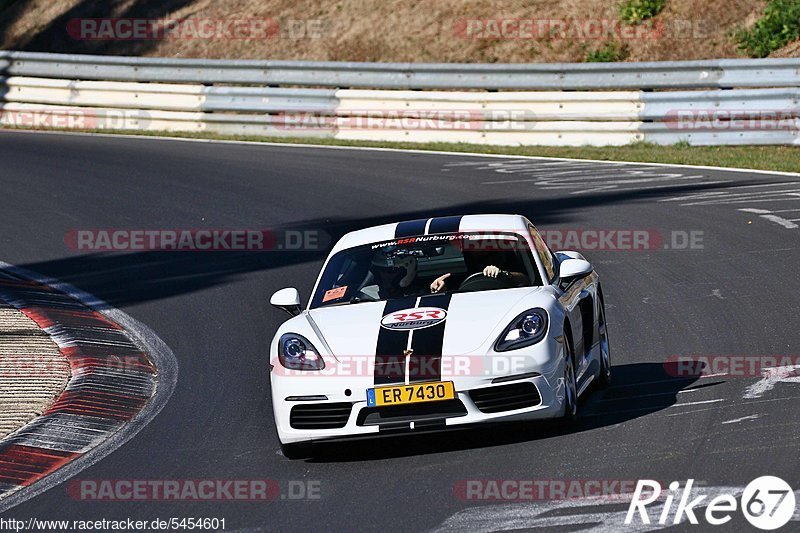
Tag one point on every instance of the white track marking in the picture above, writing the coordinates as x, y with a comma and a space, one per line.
651, 187
698, 403
767, 215
162, 356
751, 196
712, 194
788, 224
523, 165
654, 394
656, 408
736, 405
612, 185
773, 376
400, 150
763, 197
694, 411
737, 420
482, 518
549, 175
598, 180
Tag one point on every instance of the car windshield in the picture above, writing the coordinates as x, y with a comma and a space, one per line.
415, 266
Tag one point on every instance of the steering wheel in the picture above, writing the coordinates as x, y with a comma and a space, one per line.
479, 282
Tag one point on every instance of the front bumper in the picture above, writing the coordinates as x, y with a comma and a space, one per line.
535, 371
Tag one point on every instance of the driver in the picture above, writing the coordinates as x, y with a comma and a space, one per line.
396, 275
473, 261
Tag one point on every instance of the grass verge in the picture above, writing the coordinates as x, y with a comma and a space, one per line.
779, 25
777, 158
637, 11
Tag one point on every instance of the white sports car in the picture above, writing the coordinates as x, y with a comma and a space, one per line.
430, 324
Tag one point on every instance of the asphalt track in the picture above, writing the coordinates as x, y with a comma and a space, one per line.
737, 295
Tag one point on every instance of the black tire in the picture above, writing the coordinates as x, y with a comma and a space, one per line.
605, 348
570, 384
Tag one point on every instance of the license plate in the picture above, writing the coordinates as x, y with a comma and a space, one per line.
416, 393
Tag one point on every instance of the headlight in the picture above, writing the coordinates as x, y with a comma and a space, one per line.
296, 353
528, 328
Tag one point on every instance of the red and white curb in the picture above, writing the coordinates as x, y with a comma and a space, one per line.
121, 376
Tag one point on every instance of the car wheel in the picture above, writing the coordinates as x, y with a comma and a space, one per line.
296, 450
605, 349
570, 385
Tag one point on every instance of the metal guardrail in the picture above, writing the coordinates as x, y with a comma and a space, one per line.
175, 97
255, 98
722, 73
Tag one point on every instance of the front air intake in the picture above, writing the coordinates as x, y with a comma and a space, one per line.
505, 397
320, 415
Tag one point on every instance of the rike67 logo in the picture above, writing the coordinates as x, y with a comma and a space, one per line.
767, 502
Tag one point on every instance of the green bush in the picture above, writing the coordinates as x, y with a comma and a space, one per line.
779, 25
635, 11
610, 52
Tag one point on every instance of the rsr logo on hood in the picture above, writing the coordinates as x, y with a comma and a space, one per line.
414, 318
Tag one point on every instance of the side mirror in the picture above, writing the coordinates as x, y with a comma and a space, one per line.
574, 268
288, 300
568, 254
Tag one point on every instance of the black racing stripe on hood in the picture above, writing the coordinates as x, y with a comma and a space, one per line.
445, 225
425, 363
410, 228
390, 363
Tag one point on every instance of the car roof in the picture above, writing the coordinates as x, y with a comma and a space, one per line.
431, 226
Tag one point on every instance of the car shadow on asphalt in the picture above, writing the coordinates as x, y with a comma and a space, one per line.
133, 277
638, 390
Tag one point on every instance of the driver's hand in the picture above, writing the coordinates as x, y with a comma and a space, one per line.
491, 271
438, 283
